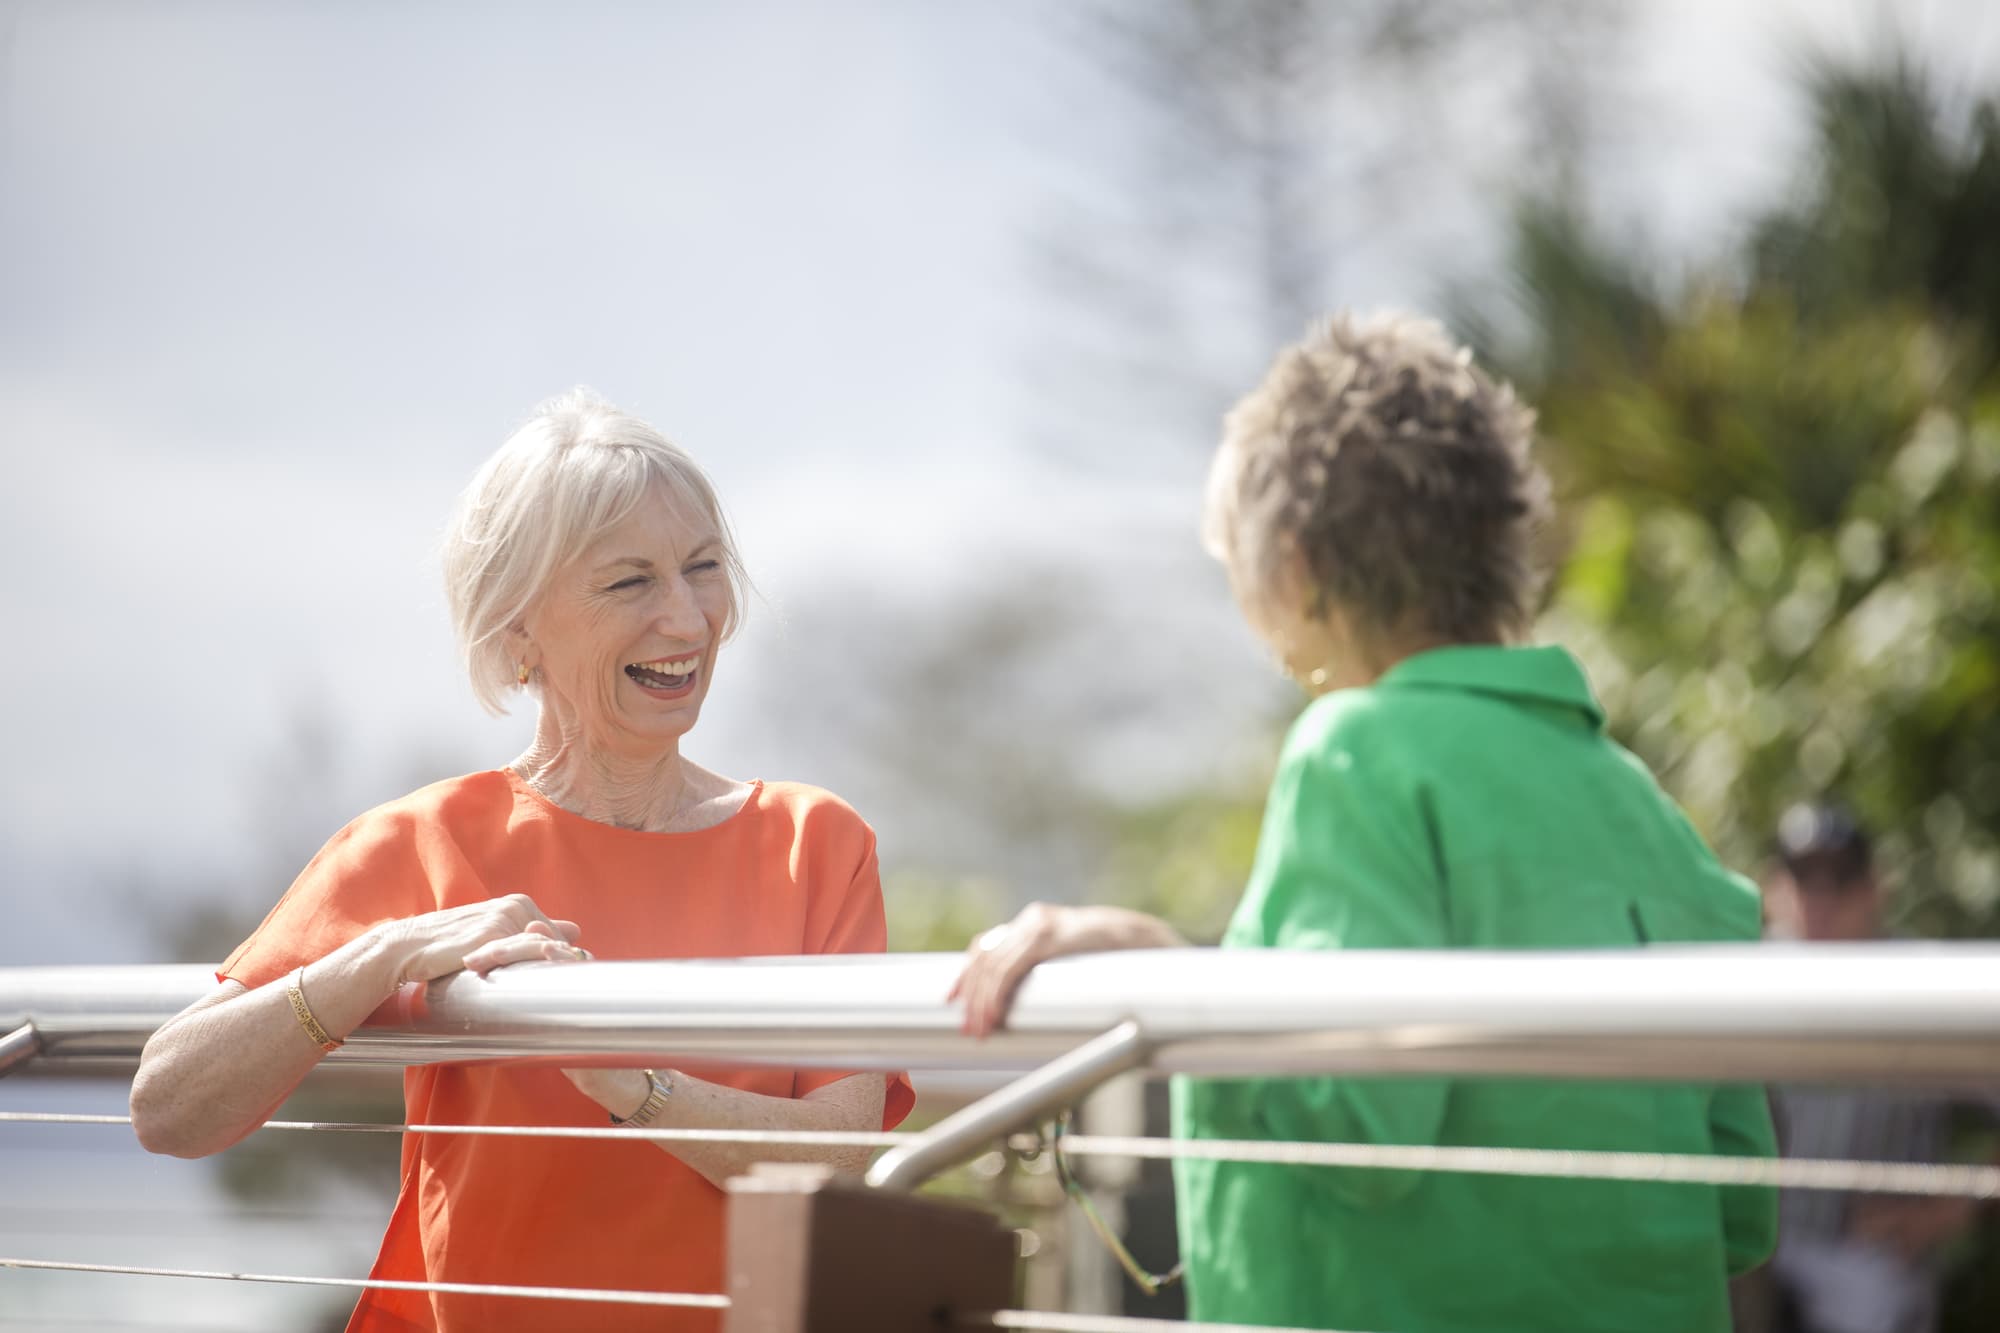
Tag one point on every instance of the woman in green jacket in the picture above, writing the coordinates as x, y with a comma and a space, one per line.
1374, 502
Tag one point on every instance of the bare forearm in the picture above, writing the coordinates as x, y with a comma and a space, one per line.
211, 1075
851, 1104
1121, 928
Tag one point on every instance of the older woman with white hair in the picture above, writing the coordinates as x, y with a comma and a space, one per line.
590, 566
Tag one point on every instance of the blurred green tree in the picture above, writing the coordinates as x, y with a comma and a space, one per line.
1781, 489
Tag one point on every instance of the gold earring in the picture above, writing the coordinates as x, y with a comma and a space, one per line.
1316, 677
521, 674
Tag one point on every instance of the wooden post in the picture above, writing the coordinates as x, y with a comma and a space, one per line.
810, 1252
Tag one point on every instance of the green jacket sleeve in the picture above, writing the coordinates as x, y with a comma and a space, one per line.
1739, 1125
1345, 862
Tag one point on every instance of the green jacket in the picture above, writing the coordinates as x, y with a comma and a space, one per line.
1470, 799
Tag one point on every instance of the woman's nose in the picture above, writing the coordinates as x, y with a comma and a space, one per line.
679, 615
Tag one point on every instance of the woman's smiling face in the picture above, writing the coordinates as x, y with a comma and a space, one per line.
623, 641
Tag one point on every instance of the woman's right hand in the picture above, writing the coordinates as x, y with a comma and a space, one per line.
479, 937
214, 1072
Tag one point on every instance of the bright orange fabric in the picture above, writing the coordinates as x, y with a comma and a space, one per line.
792, 872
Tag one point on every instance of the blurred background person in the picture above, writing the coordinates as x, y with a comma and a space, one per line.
1856, 1263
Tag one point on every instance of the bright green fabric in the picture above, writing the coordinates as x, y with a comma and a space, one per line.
1470, 799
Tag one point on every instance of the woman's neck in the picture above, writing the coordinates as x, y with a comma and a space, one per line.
652, 792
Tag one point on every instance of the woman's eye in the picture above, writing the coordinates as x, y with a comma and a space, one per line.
636, 581
705, 567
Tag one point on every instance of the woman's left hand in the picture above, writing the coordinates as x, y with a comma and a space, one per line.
619, 1091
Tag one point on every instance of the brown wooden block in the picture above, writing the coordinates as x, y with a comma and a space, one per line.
809, 1252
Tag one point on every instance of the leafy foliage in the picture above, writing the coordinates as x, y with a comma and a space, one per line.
1783, 494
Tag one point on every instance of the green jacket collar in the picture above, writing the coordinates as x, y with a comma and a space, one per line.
1547, 675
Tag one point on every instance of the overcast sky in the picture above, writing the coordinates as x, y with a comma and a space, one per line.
274, 278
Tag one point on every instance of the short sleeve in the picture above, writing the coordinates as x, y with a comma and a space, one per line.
369, 872
847, 917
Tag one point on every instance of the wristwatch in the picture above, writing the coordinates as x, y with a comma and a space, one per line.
659, 1087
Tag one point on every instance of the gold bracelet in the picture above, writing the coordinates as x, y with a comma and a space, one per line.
304, 1011
658, 1089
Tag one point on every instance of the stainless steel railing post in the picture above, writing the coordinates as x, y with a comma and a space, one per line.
18, 1047
1058, 1083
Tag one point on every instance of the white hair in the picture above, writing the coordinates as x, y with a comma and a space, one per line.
578, 467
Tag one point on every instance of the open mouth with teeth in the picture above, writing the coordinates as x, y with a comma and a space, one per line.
664, 673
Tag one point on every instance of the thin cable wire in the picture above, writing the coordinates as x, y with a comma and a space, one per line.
815, 1138
680, 1299
1058, 1322
1975, 1182
1972, 1182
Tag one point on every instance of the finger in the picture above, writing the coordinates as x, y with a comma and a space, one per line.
974, 978
982, 978
961, 981
1010, 969
569, 930
985, 1009
554, 950
966, 990
999, 989
516, 949
487, 957
978, 990
975, 952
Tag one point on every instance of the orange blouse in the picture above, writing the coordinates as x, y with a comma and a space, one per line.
792, 872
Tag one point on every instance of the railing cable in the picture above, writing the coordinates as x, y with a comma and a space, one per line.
1972, 1182
795, 1138
1975, 1182
683, 1299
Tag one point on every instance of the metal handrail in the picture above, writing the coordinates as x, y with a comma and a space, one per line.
1903, 1012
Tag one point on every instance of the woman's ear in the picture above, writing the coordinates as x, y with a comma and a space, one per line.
522, 648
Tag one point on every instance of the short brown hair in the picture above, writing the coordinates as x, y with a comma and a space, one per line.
1399, 471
